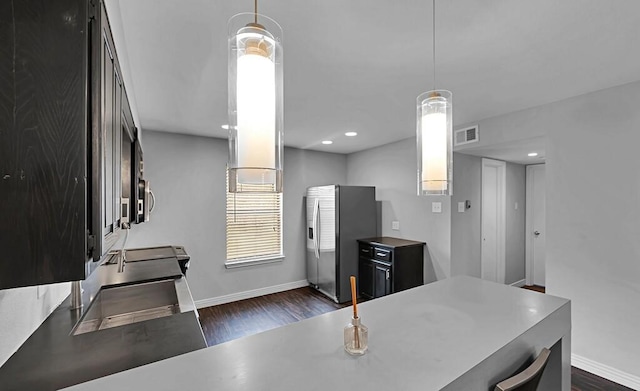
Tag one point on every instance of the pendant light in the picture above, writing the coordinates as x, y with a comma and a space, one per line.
255, 103
434, 136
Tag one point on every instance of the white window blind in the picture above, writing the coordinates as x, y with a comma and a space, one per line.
254, 225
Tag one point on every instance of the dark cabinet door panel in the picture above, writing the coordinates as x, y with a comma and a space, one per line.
43, 141
107, 140
367, 275
382, 279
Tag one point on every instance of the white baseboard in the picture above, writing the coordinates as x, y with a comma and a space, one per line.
250, 294
518, 284
606, 371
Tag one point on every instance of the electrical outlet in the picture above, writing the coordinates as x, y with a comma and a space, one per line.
461, 207
395, 225
436, 207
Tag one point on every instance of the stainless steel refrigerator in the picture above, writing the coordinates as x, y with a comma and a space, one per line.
336, 217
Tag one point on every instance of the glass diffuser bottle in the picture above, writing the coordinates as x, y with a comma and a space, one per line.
355, 333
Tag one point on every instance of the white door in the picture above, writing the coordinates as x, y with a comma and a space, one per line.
493, 220
536, 235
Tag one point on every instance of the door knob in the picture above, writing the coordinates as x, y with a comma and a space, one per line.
537, 233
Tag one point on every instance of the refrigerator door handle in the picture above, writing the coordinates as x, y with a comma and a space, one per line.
319, 230
316, 234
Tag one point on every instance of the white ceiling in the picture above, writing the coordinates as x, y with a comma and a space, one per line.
358, 65
513, 151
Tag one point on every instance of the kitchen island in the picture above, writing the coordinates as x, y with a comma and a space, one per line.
456, 334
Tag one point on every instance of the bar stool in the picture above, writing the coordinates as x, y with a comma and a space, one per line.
528, 379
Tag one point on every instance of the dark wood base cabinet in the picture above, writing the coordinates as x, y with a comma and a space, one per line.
388, 265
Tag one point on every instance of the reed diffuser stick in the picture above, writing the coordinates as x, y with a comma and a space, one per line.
354, 299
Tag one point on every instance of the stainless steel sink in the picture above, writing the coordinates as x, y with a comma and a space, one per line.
117, 306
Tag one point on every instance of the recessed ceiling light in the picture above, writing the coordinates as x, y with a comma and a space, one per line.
327, 142
351, 134
533, 154
225, 127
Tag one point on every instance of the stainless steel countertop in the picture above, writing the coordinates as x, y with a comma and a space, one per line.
52, 358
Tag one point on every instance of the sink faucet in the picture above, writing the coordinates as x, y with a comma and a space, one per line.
122, 260
76, 295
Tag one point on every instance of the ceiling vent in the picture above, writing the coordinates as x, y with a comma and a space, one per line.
466, 136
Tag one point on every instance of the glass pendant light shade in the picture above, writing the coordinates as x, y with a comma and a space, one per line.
255, 104
434, 141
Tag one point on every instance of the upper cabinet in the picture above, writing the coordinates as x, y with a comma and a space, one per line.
111, 104
66, 141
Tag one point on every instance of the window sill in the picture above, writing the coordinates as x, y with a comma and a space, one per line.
253, 262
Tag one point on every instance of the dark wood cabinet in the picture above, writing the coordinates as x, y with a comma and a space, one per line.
366, 277
112, 136
61, 148
127, 175
388, 265
382, 279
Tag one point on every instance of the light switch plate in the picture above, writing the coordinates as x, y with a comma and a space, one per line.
436, 207
395, 225
461, 207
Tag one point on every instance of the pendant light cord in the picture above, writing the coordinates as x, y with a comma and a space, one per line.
434, 42
255, 11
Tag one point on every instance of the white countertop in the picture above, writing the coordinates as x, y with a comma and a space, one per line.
423, 338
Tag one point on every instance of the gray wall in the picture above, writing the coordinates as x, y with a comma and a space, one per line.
466, 229
187, 175
593, 221
593, 216
22, 310
503, 129
515, 223
392, 169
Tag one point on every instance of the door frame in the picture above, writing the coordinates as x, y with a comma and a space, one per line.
501, 222
528, 254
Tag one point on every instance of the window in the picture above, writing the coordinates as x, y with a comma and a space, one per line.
254, 227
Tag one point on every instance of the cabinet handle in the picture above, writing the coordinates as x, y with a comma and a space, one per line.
364, 250
387, 273
381, 254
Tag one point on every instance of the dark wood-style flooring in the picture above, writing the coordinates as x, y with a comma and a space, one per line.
585, 381
222, 323
536, 288
226, 322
